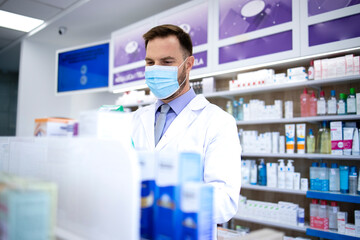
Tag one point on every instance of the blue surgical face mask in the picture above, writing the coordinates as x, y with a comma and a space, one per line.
163, 80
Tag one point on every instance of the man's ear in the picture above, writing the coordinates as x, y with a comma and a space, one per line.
190, 63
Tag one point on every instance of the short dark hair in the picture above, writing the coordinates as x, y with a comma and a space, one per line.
166, 30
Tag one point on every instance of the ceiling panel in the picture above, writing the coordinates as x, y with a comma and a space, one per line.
30, 8
56, 3
9, 34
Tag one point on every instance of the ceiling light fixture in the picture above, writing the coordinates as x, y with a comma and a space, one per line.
18, 22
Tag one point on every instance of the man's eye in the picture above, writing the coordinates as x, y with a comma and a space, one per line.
149, 63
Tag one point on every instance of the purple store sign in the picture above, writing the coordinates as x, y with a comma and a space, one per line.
242, 16
334, 30
316, 7
129, 47
194, 21
129, 76
275, 43
200, 60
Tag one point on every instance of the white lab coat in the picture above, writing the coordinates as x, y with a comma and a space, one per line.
203, 127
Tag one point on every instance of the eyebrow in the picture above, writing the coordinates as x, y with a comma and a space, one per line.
162, 59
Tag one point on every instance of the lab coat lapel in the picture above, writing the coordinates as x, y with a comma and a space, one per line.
182, 121
147, 120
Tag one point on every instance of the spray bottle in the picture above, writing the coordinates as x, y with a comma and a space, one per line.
262, 173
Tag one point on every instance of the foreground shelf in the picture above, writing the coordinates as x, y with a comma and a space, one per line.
270, 189
328, 234
270, 223
306, 156
339, 197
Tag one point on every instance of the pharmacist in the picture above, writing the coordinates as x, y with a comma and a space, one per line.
180, 120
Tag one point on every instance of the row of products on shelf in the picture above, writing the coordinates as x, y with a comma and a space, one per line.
310, 105
342, 139
272, 175
175, 203
335, 67
282, 212
329, 217
319, 69
28, 208
341, 178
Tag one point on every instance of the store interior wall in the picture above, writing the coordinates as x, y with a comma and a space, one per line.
36, 97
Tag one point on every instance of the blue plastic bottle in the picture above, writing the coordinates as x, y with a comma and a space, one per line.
240, 113
235, 109
324, 177
262, 173
314, 176
344, 179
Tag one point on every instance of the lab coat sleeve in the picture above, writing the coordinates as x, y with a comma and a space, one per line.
222, 167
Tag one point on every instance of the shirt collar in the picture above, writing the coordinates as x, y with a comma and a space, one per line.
179, 103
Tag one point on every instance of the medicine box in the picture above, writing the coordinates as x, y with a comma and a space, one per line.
54, 126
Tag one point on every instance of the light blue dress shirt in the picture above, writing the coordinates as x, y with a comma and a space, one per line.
176, 106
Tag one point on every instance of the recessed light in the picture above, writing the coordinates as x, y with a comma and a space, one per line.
18, 22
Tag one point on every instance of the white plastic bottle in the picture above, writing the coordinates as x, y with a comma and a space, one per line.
332, 213
314, 212
323, 215
332, 104
334, 178
253, 172
281, 174
289, 175
324, 177
321, 104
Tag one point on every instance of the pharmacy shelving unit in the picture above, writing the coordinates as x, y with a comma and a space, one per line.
272, 90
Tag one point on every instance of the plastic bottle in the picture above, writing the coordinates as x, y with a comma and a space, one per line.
314, 175
323, 215
334, 178
310, 142
240, 109
253, 173
262, 173
289, 175
332, 104
333, 209
314, 212
235, 109
358, 189
351, 102
341, 105
281, 174
321, 104
311, 70
324, 177
353, 180
323, 139
313, 105
304, 103
344, 179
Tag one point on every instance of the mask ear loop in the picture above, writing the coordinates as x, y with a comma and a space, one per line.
185, 74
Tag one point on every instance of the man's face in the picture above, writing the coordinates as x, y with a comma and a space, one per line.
166, 52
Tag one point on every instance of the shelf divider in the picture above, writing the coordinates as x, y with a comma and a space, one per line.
270, 223
300, 119
340, 197
283, 86
328, 234
270, 189
313, 156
